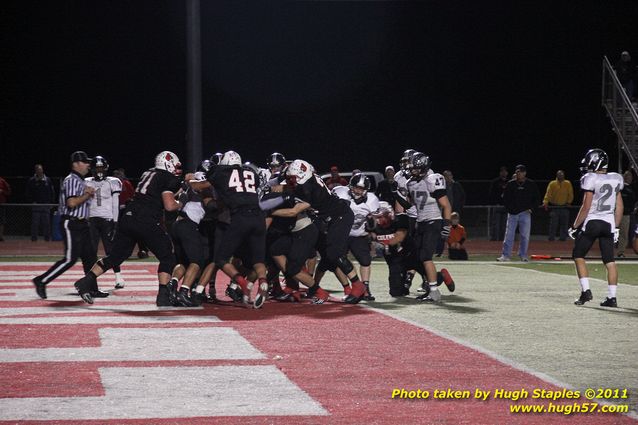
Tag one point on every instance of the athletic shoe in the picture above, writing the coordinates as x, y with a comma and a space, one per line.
183, 299
234, 292
99, 294
262, 294
40, 288
584, 297
525, 259
210, 297
447, 279
425, 287
245, 287
432, 297
368, 296
356, 293
119, 285
503, 258
609, 302
163, 299
84, 286
142, 254
197, 298
321, 296
172, 292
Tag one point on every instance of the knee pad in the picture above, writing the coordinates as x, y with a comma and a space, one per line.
167, 264
344, 265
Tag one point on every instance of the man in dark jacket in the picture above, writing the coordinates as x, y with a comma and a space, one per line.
40, 191
520, 198
498, 216
387, 188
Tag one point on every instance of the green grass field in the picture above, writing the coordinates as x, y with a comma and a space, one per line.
627, 273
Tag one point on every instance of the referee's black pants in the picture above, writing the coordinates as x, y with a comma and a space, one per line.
77, 244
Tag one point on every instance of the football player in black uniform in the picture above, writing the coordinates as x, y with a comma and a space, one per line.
236, 186
338, 219
141, 221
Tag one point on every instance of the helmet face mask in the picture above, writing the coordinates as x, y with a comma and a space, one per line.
99, 168
406, 158
420, 164
384, 216
168, 161
359, 185
276, 162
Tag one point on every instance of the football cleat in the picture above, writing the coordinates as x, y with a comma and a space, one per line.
197, 298
119, 285
141, 254
368, 295
99, 294
84, 286
320, 296
40, 288
183, 299
609, 302
356, 293
447, 279
234, 292
172, 291
584, 297
262, 294
163, 299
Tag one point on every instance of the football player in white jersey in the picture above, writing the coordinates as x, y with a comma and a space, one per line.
105, 207
363, 204
598, 218
427, 192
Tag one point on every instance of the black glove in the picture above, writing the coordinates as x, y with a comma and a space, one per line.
182, 198
445, 230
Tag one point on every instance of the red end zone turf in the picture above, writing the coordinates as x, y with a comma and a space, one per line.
348, 359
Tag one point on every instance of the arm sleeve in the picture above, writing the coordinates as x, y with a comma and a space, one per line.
269, 204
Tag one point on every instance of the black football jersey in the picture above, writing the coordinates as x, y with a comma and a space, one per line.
281, 224
236, 187
316, 193
401, 221
147, 200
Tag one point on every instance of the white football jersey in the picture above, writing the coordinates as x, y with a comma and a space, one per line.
106, 202
361, 210
427, 207
605, 188
402, 186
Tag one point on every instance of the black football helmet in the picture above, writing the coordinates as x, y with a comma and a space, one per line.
275, 161
594, 160
404, 163
216, 158
99, 167
361, 181
205, 166
420, 164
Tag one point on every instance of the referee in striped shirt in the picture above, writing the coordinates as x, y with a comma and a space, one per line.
74, 210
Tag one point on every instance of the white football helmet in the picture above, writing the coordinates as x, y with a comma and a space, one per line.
299, 172
167, 160
230, 158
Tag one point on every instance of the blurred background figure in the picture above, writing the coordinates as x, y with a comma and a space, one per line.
387, 187
5, 192
629, 201
498, 217
335, 179
40, 190
558, 197
456, 240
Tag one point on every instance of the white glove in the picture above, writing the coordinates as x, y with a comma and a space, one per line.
573, 233
616, 234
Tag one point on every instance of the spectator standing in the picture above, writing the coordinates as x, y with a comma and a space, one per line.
40, 191
498, 217
628, 200
520, 198
626, 72
455, 192
558, 197
335, 179
5, 192
387, 187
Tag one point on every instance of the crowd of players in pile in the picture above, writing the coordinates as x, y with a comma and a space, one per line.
256, 224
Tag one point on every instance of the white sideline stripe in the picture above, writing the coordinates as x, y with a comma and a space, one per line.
502, 359
8, 273
106, 320
85, 308
145, 393
146, 344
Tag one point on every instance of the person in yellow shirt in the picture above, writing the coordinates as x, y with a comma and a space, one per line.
558, 197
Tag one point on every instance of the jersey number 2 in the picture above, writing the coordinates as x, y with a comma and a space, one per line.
248, 184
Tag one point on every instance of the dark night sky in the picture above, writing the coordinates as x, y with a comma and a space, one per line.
473, 84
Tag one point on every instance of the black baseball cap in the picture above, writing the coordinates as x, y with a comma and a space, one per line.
80, 156
520, 167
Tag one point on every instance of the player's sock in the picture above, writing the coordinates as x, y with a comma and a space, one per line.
118, 277
611, 291
199, 289
584, 283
